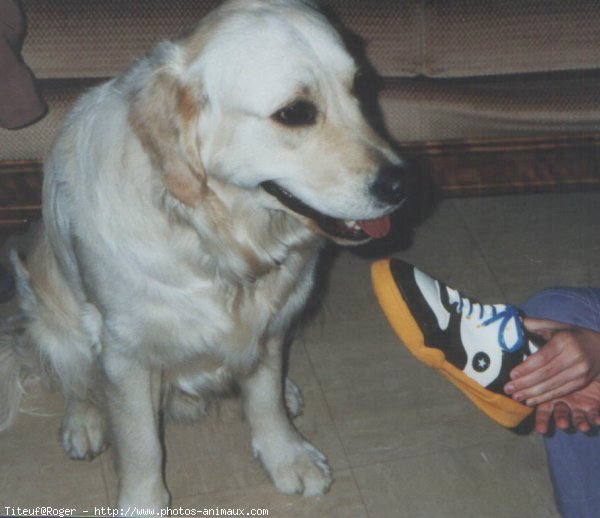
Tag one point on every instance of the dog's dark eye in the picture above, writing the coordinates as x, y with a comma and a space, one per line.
299, 113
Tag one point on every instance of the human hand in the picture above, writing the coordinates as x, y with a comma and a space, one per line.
568, 361
581, 409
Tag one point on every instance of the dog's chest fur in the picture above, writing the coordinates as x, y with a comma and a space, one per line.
214, 327
248, 317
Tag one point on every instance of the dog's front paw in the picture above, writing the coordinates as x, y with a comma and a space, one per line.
295, 466
83, 432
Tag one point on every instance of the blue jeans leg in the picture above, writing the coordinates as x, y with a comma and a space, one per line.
573, 457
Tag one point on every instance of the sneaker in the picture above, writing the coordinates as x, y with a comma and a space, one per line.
474, 345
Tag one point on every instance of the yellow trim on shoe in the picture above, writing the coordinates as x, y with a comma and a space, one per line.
501, 409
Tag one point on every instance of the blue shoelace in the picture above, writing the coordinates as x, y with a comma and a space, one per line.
508, 315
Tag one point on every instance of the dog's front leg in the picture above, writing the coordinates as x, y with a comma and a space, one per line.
133, 398
295, 466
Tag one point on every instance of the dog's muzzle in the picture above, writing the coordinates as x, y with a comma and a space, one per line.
390, 188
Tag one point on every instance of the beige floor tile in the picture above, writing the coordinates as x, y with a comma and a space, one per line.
381, 425
349, 295
532, 242
353, 354
497, 480
447, 249
342, 501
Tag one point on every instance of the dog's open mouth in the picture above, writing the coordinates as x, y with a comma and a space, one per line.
339, 228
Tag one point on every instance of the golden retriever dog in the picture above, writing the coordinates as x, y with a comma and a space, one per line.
185, 203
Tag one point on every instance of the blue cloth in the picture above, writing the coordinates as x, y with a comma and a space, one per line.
573, 457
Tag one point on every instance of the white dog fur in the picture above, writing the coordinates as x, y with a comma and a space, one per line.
163, 269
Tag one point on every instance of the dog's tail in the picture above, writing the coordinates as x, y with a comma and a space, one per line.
19, 362
17, 366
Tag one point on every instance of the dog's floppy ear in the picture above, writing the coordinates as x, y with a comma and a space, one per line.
164, 115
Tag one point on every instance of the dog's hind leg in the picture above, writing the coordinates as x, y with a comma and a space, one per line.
63, 333
83, 431
16, 365
180, 406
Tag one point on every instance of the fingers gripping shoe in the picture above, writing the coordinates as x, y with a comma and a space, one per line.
474, 345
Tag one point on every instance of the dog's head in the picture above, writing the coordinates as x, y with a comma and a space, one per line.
259, 97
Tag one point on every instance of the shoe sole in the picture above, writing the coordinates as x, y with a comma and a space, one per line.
501, 409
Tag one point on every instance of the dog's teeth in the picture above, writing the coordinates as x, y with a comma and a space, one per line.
352, 224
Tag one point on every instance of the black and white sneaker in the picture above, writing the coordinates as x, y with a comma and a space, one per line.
474, 345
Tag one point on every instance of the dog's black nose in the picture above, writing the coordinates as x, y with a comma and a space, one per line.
390, 184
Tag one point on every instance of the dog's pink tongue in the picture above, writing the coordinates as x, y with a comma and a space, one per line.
376, 228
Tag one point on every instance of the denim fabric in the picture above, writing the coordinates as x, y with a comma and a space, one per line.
573, 457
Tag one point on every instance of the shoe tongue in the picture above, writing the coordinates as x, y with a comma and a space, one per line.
376, 228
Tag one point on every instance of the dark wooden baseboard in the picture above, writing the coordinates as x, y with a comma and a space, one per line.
462, 168
510, 165
20, 195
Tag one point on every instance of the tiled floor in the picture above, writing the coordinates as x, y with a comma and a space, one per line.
402, 442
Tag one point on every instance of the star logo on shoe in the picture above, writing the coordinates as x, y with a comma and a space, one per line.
481, 362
